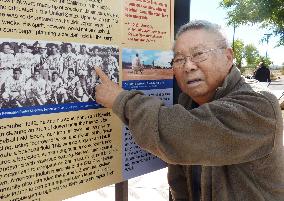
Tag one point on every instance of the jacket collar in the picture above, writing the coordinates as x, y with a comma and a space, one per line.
229, 83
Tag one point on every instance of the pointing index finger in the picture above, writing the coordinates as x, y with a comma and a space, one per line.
101, 74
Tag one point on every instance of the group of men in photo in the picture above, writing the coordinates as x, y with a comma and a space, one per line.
52, 73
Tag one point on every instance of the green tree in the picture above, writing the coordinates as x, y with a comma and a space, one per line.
239, 52
267, 61
251, 55
269, 13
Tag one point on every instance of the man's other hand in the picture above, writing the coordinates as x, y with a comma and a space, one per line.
107, 91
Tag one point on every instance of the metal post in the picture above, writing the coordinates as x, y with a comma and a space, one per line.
267, 39
121, 191
182, 16
234, 37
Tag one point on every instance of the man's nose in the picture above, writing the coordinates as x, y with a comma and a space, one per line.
189, 65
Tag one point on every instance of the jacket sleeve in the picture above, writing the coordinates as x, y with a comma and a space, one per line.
236, 129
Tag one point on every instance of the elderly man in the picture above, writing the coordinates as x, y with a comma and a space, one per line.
223, 141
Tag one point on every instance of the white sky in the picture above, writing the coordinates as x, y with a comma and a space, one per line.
210, 10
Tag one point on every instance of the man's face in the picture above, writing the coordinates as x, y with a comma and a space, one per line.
96, 52
41, 50
68, 48
83, 50
200, 80
23, 48
54, 77
70, 73
54, 50
16, 75
7, 49
36, 76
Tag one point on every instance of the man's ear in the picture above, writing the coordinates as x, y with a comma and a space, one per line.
230, 56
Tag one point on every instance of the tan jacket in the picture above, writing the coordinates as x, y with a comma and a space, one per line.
237, 139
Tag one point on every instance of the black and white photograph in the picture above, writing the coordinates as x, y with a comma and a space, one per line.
42, 72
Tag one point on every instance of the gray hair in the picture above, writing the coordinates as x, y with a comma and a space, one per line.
206, 25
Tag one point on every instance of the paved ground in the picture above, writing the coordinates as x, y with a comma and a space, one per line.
277, 84
277, 87
152, 186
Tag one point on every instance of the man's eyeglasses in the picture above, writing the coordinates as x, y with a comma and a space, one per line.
197, 57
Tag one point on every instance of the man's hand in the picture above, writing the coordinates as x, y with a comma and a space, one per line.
107, 91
